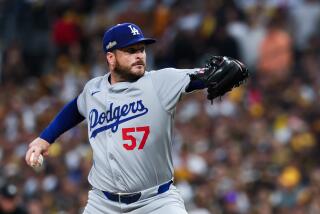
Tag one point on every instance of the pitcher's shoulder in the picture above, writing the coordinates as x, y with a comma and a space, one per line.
161, 70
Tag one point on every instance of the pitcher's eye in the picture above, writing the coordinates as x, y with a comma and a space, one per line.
134, 50
131, 50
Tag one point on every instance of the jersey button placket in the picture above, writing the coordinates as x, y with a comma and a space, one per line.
110, 156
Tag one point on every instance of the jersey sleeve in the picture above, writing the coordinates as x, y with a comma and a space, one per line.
81, 102
170, 84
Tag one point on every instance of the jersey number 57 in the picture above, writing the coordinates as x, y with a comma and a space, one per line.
127, 135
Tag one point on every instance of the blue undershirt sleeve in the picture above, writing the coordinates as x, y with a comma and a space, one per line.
66, 119
195, 85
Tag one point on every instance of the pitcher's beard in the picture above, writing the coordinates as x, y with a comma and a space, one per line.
125, 74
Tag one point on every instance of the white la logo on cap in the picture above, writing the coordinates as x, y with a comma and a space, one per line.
134, 31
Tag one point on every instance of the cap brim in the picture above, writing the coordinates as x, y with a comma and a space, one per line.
147, 41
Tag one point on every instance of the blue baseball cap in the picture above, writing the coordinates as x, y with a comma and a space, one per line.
123, 35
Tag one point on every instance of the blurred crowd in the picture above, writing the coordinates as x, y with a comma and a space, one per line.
253, 151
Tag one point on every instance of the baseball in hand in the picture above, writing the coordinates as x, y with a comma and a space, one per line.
36, 163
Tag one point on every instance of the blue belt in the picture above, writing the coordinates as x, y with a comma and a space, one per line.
131, 198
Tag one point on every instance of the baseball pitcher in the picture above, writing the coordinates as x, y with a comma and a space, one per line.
129, 113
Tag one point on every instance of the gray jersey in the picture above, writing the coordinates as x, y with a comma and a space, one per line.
130, 128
